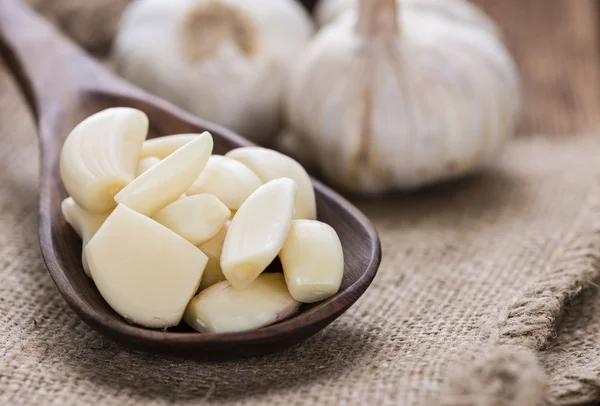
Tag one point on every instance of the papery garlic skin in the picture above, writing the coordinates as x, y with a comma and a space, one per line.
99, 157
391, 103
312, 261
169, 179
269, 165
196, 218
224, 309
257, 232
143, 270
229, 180
161, 147
327, 11
84, 222
145, 163
224, 60
213, 249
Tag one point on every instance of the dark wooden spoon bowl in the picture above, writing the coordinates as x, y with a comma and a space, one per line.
63, 85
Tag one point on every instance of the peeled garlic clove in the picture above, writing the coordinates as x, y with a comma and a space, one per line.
146, 163
257, 231
143, 270
162, 147
269, 165
213, 249
225, 61
196, 218
85, 223
222, 308
231, 181
312, 261
100, 155
169, 179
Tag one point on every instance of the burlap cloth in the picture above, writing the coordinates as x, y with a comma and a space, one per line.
487, 294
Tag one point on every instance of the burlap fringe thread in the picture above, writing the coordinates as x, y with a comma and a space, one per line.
508, 373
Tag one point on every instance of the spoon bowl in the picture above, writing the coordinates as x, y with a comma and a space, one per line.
63, 85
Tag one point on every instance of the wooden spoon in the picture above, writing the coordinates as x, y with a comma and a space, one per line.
63, 85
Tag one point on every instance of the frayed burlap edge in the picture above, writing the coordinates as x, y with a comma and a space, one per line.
508, 372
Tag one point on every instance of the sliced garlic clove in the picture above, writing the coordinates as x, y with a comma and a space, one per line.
146, 163
269, 165
170, 178
222, 308
100, 155
144, 271
312, 261
231, 181
85, 223
196, 218
258, 231
162, 147
213, 248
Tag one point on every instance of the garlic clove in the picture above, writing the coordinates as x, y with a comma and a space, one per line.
312, 261
144, 271
100, 155
84, 222
196, 218
213, 249
169, 179
269, 165
146, 163
162, 147
222, 308
229, 180
257, 231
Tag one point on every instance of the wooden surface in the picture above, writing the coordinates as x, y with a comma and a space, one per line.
556, 46
67, 87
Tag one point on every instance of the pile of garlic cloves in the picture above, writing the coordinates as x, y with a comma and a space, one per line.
172, 232
387, 95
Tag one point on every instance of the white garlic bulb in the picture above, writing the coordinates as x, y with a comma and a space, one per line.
224, 60
395, 96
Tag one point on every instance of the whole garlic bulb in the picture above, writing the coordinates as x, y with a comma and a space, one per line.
392, 96
223, 60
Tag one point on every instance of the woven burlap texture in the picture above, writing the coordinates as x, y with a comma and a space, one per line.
458, 259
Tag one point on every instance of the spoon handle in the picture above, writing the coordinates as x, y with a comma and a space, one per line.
51, 70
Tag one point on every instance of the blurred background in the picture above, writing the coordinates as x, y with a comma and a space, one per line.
554, 42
